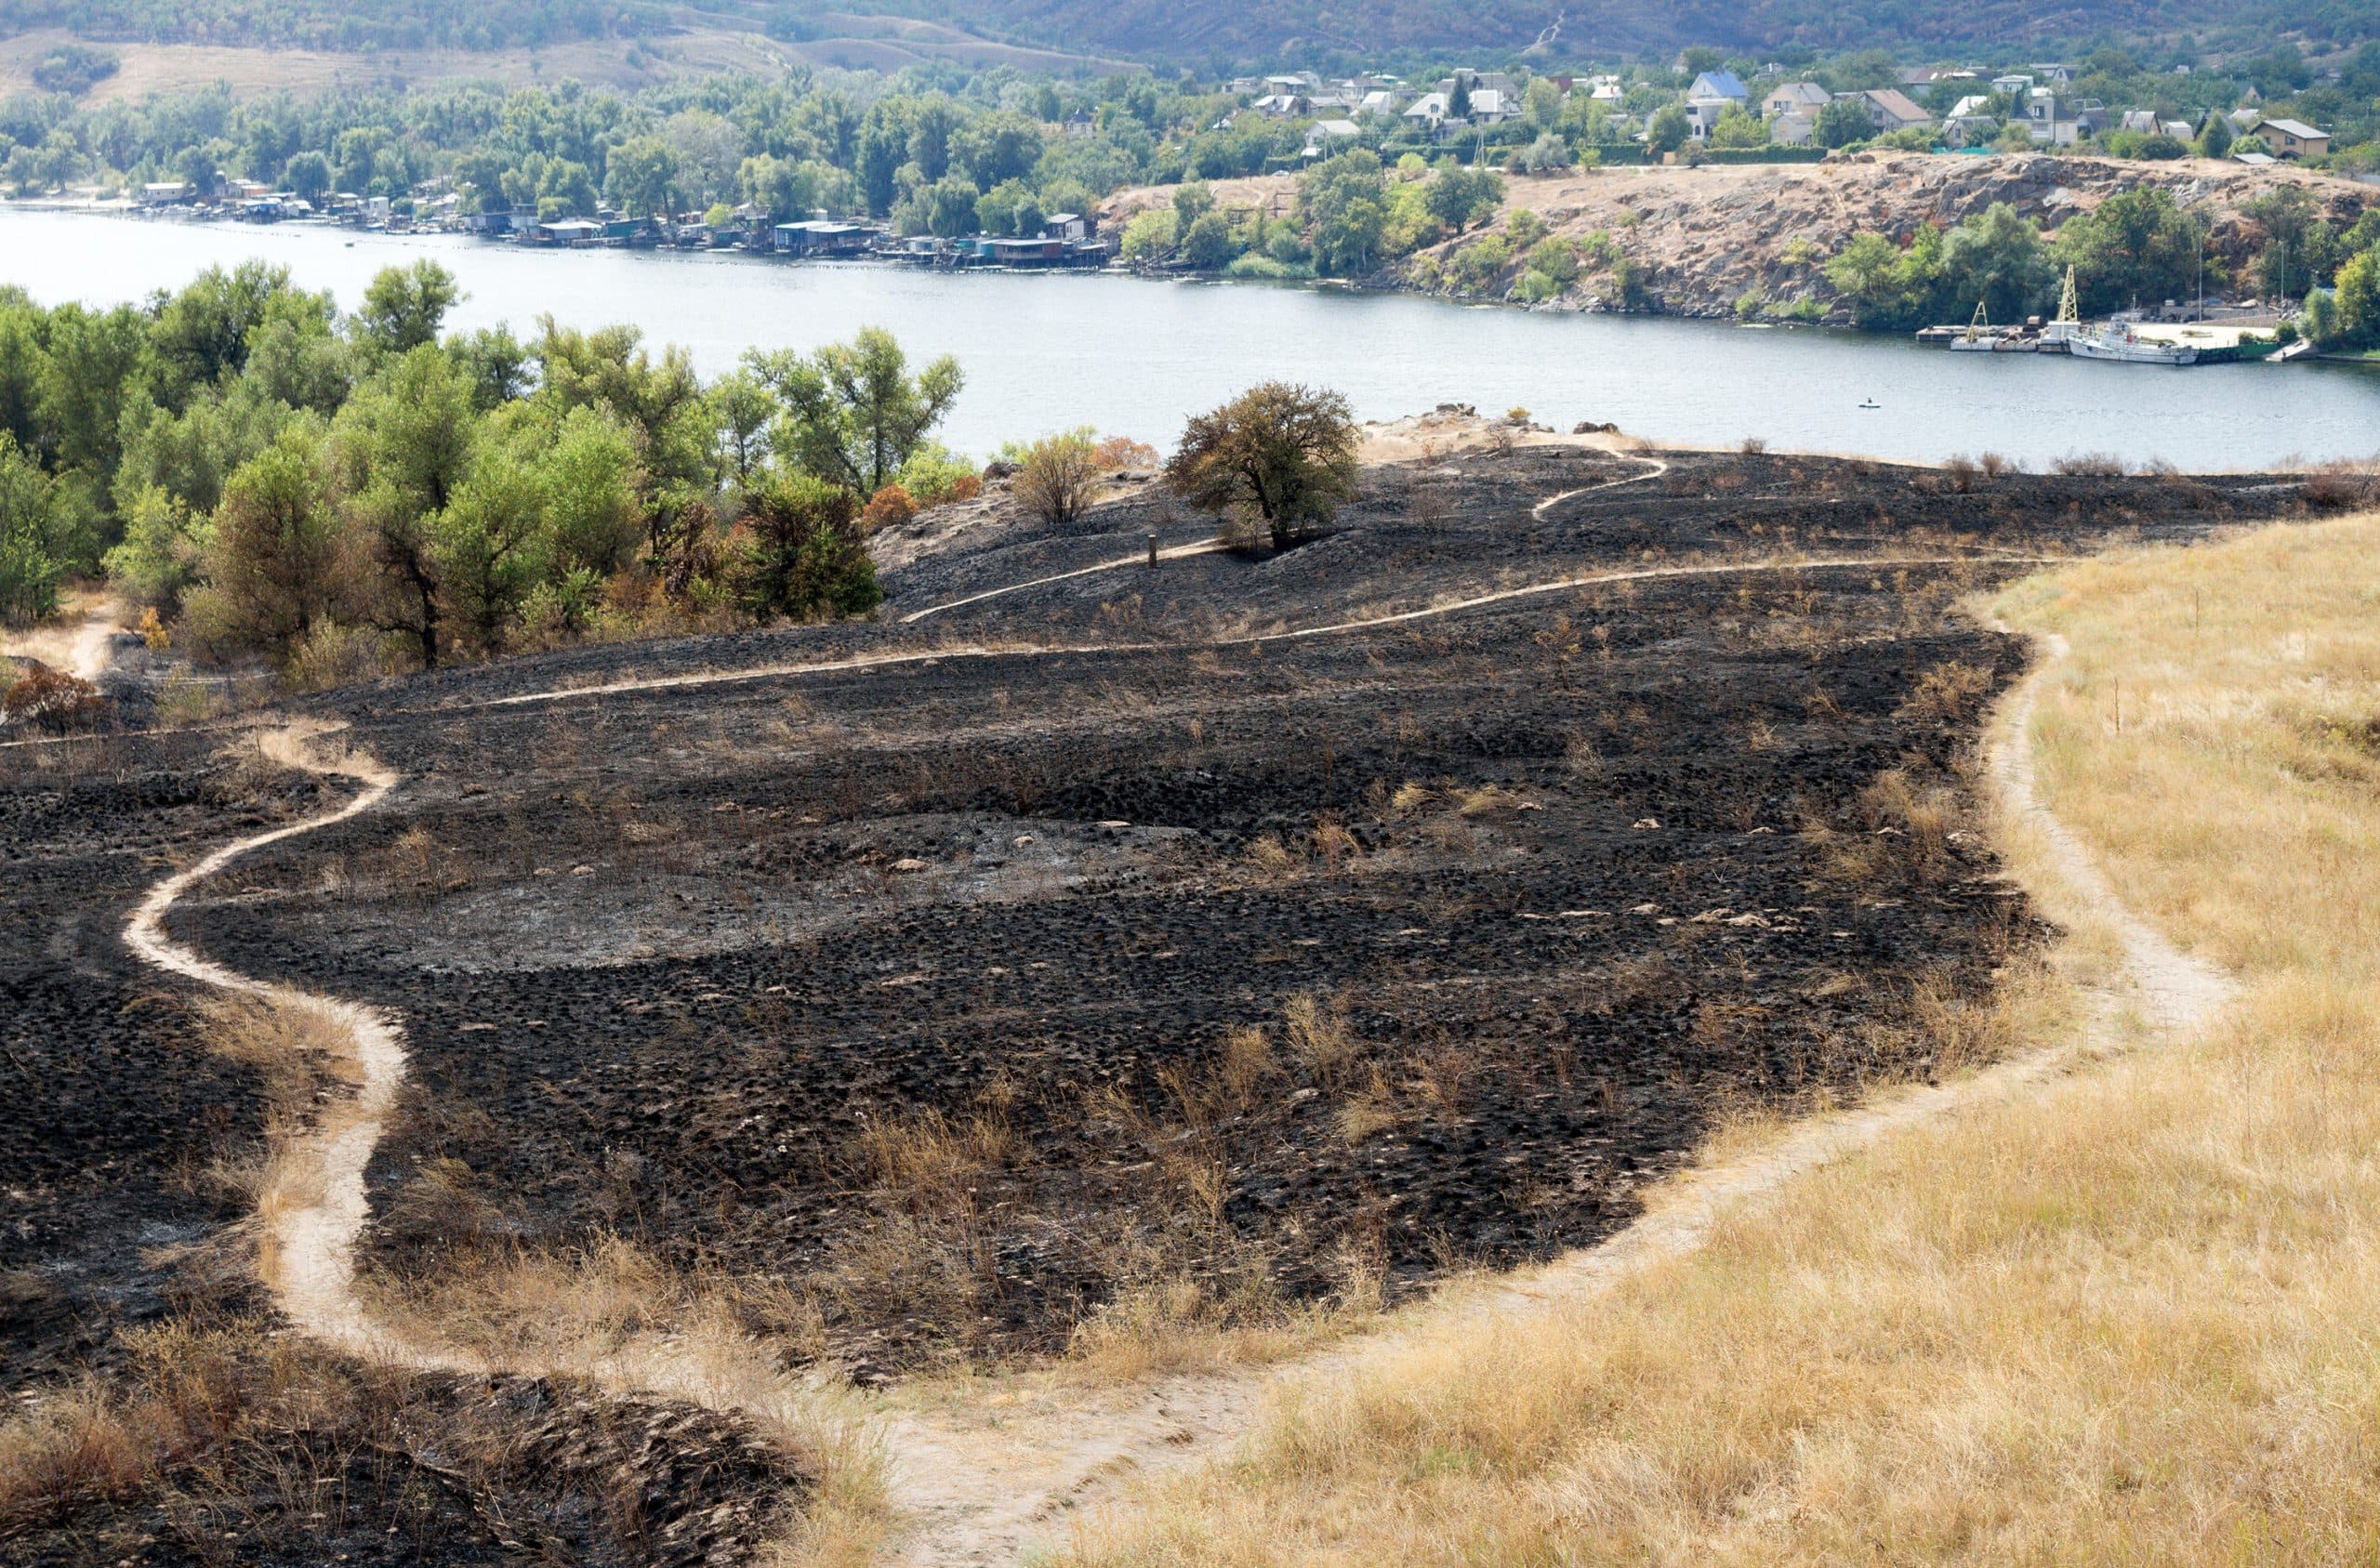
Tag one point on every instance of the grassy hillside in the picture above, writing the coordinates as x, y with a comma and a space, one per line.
1217, 32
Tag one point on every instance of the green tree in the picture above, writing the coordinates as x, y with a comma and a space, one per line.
1668, 130
29, 566
798, 552
404, 307
1843, 122
2358, 302
309, 175
1738, 128
489, 545
2214, 140
2137, 245
742, 410
1149, 236
1207, 245
402, 448
853, 412
200, 335
641, 176
1457, 197
271, 567
1344, 203
1997, 259
1279, 457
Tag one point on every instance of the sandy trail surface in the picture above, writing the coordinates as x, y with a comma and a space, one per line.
990, 1479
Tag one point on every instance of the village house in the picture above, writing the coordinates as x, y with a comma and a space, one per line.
1890, 110
1721, 85
1325, 136
1791, 130
2045, 119
2292, 139
1794, 97
1971, 121
820, 236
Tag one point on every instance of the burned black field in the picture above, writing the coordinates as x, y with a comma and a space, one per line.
1153, 946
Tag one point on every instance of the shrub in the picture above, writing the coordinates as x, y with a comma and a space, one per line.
1059, 476
798, 552
52, 700
1123, 452
889, 507
2089, 465
932, 473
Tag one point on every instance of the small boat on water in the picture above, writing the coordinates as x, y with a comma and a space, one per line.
1871, 403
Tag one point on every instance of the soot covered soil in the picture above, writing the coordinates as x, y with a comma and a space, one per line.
1115, 954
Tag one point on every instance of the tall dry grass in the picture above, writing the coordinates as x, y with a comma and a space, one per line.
2128, 1316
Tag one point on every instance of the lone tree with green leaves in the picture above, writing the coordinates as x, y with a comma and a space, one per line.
853, 413
1278, 456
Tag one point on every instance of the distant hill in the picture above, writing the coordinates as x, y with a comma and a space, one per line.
1610, 28
1209, 32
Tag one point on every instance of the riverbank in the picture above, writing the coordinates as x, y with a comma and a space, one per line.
1719, 240
1138, 356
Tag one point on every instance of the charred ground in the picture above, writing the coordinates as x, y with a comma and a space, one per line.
1191, 973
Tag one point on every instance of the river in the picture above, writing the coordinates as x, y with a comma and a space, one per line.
1132, 356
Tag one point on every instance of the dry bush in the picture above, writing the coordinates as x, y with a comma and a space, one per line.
925, 1158
1946, 693
1752, 446
2089, 465
1489, 800
1123, 452
1995, 465
2339, 488
1059, 479
1318, 1037
53, 700
1905, 828
889, 507
1961, 472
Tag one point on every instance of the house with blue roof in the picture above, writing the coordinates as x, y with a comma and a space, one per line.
1718, 85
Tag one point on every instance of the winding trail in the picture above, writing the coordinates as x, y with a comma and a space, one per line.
991, 1482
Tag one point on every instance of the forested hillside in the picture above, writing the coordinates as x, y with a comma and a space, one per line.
1215, 32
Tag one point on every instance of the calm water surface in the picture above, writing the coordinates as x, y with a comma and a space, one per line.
1134, 356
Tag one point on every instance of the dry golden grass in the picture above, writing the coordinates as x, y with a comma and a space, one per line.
2125, 1316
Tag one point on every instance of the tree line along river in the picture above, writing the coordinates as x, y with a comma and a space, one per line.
1136, 357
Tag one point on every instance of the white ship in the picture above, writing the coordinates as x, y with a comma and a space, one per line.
2127, 347
2114, 342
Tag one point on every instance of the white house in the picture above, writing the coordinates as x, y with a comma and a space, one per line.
1719, 84
1793, 131
2043, 118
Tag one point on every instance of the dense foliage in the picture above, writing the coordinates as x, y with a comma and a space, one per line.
2137, 246
344, 494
